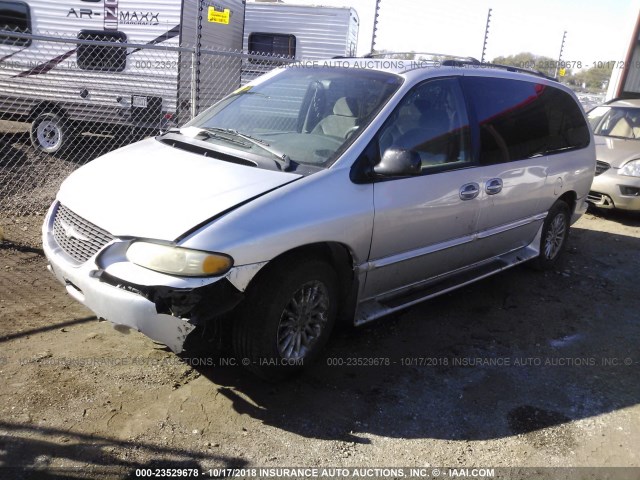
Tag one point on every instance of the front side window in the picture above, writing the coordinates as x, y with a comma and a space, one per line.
620, 122
102, 58
275, 44
519, 119
308, 114
15, 17
432, 121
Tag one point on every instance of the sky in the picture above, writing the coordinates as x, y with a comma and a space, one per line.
597, 30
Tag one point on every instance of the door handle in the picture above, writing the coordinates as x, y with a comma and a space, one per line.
493, 186
469, 191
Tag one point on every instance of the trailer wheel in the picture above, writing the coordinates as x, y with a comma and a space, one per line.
50, 132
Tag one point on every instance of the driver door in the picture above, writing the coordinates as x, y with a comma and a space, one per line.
424, 224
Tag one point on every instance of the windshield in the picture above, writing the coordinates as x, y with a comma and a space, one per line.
301, 115
620, 122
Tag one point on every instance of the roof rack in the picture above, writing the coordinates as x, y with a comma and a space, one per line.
509, 68
459, 61
421, 54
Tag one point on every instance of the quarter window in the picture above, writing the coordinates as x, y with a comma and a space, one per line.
103, 58
432, 121
520, 119
16, 17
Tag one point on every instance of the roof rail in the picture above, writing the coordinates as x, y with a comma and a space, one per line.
421, 54
461, 61
509, 68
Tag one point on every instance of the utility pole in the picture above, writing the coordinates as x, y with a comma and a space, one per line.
486, 36
375, 26
564, 36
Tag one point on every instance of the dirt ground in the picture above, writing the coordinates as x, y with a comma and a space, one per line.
524, 369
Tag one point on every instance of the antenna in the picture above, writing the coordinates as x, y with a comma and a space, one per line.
564, 36
486, 35
375, 26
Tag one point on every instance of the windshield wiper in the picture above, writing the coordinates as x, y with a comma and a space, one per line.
212, 133
282, 159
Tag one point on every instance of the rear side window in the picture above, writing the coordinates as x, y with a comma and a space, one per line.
276, 44
16, 17
520, 119
103, 58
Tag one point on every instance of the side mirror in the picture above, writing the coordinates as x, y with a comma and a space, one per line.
398, 162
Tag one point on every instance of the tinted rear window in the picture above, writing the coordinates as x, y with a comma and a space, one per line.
521, 119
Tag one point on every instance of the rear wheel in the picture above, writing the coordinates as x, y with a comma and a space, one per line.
286, 318
555, 233
51, 132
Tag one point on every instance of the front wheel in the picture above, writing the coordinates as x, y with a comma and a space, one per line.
555, 233
286, 318
50, 132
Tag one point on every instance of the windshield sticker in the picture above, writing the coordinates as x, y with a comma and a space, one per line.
246, 88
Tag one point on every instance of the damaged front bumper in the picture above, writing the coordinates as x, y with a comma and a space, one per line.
163, 307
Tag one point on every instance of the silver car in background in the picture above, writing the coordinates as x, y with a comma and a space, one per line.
347, 189
617, 133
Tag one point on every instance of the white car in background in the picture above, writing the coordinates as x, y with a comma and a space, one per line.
616, 127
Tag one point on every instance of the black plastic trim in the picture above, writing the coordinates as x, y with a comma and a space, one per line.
199, 305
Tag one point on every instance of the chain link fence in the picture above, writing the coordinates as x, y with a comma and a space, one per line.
65, 101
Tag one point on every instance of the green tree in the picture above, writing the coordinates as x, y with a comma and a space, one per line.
594, 79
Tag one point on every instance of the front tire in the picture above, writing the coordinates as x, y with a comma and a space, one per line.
555, 233
286, 318
51, 133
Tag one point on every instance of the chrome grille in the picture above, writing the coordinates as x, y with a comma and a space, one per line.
601, 167
78, 238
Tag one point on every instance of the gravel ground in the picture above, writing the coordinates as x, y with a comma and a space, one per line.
524, 369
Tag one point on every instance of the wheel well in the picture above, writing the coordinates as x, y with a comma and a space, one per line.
45, 107
570, 199
341, 259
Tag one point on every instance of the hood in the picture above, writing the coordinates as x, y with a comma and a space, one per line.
616, 151
151, 190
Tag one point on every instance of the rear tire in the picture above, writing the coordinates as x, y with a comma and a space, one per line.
555, 233
51, 133
286, 318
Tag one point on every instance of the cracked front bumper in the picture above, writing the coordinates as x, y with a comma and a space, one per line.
120, 306
164, 308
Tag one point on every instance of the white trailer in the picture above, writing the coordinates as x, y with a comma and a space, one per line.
75, 83
300, 31
289, 30
162, 72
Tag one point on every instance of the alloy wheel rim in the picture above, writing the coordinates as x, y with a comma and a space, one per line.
555, 237
303, 320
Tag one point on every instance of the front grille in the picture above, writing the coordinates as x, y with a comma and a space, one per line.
601, 167
78, 238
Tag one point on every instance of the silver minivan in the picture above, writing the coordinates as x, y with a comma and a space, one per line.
346, 189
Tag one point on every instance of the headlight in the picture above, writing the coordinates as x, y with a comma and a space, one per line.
177, 260
631, 169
